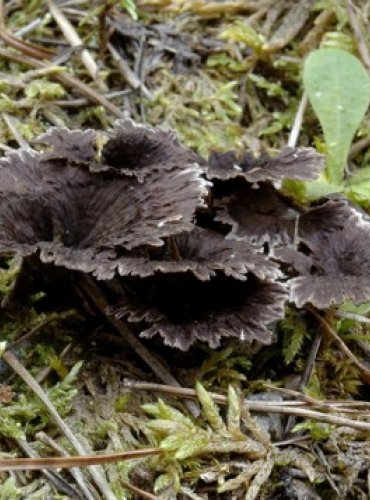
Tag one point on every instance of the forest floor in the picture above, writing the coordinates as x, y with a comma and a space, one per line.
224, 75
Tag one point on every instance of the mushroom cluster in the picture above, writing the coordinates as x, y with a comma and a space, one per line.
202, 249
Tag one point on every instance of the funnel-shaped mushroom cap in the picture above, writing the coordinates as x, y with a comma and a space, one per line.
72, 145
136, 149
261, 215
60, 208
290, 163
183, 309
201, 252
258, 215
332, 267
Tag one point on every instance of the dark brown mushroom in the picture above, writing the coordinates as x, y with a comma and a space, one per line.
290, 163
331, 267
72, 145
55, 207
201, 252
259, 215
136, 149
262, 215
183, 309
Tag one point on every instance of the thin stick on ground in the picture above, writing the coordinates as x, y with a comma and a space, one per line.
127, 73
96, 472
255, 406
341, 405
331, 332
75, 461
93, 292
294, 133
27, 336
306, 375
139, 492
74, 39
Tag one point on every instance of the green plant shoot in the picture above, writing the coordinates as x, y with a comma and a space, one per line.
338, 88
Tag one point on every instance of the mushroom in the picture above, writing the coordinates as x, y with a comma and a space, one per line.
264, 216
331, 266
200, 252
248, 200
136, 150
183, 309
78, 219
290, 163
71, 145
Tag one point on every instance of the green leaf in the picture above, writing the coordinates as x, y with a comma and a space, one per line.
233, 412
191, 447
163, 482
320, 188
241, 32
294, 329
210, 409
165, 412
361, 175
359, 192
44, 90
338, 88
319, 431
9, 490
131, 8
354, 308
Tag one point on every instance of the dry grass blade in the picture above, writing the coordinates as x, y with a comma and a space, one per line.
77, 461
12, 124
294, 133
306, 375
138, 492
127, 73
74, 39
96, 473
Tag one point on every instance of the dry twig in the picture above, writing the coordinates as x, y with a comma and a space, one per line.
55, 478
256, 406
76, 461
74, 39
